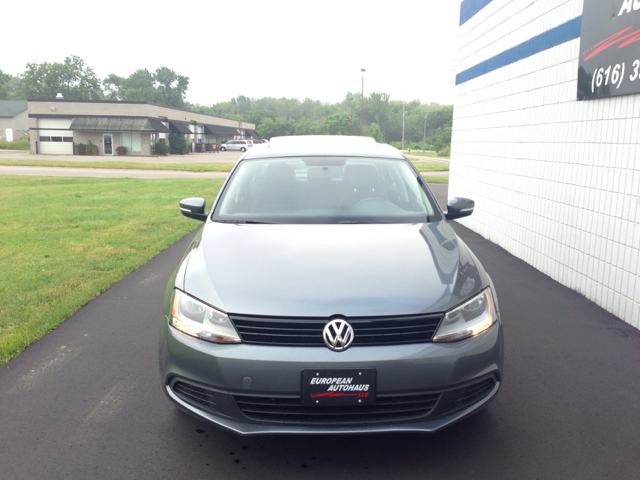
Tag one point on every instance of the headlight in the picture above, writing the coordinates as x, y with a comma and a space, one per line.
468, 320
194, 318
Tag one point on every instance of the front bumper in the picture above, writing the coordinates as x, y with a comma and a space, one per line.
251, 389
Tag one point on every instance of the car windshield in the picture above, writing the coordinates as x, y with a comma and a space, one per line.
325, 190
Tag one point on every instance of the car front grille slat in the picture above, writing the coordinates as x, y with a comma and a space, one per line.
474, 392
195, 395
466, 396
290, 411
370, 331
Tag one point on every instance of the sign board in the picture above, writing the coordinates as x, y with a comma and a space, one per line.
609, 63
9, 134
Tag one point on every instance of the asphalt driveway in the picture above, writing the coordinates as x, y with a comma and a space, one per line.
85, 401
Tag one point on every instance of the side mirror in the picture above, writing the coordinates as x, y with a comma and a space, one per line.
459, 207
194, 208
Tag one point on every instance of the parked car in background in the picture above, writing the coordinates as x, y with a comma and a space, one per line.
326, 292
241, 145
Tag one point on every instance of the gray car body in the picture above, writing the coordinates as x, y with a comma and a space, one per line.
323, 271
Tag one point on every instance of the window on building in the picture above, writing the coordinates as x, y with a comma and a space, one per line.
131, 141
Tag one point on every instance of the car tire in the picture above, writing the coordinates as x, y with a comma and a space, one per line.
243, 149
223, 149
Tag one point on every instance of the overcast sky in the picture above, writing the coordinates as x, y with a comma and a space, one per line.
275, 48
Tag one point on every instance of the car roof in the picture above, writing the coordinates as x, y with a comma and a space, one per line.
316, 145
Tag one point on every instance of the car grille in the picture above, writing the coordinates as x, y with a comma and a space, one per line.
307, 332
473, 393
464, 397
288, 410
196, 396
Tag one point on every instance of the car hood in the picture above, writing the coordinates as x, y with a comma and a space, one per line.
324, 270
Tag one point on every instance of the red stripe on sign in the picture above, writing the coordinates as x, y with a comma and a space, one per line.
333, 394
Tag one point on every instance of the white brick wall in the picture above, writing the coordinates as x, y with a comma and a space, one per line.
556, 181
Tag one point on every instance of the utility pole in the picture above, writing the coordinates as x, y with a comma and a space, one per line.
351, 125
361, 100
424, 138
402, 121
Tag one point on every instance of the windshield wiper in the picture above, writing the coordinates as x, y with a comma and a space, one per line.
243, 221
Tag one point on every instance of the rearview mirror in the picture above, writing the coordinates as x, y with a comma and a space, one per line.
194, 208
459, 207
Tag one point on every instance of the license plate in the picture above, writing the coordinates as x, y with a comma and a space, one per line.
323, 387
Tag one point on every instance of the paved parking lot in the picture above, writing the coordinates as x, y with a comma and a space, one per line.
85, 401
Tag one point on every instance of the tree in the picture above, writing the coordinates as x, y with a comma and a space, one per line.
139, 86
277, 116
439, 118
279, 127
378, 109
244, 104
307, 126
442, 137
267, 128
337, 124
178, 144
164, 86
8, 86
373, 130
351, 104
196, 107
256, 116
73, 79
171, 87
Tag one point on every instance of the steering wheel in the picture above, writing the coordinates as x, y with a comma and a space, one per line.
364, 200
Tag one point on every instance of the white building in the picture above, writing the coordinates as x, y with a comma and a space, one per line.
551, 155
56, 126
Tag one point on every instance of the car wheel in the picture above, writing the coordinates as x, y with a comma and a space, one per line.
224, 149
243, 149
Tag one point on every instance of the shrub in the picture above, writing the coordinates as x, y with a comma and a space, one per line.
178, 144
21, 143
81, 148
121, 150
161, 147
91, 148
445, 152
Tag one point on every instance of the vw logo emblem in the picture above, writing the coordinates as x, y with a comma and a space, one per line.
337, 335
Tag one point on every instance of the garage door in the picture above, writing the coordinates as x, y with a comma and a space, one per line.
54, 136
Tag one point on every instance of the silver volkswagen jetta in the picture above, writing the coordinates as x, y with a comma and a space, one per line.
327, 293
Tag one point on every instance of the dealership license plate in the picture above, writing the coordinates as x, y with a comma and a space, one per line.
338, 387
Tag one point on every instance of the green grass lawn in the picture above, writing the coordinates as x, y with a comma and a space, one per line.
188, 167
431, 166
65, 240
431, 179
428, 153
